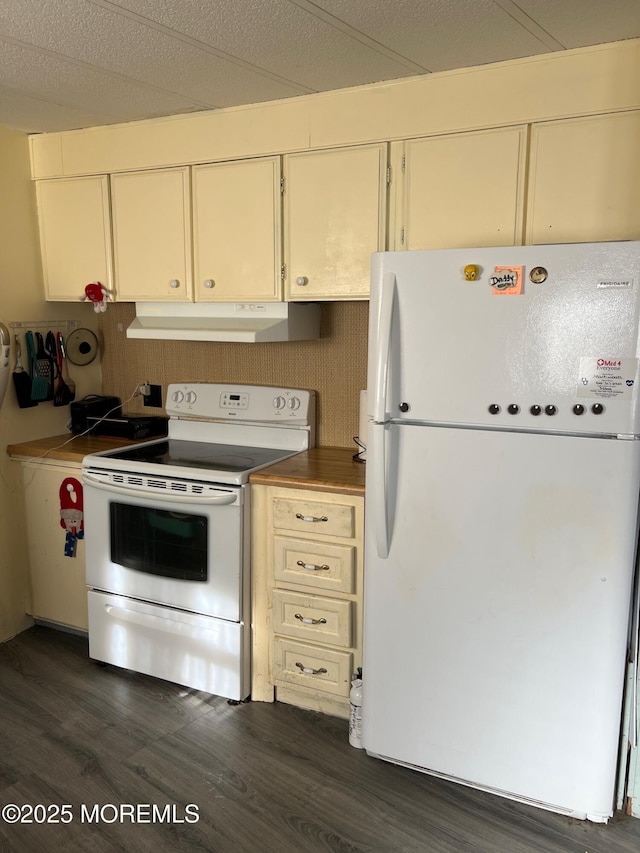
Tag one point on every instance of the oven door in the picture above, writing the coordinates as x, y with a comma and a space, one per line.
166, 541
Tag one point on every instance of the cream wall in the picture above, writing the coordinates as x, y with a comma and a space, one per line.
21, 299
586, 81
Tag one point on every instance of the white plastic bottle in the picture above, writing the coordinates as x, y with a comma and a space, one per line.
355, 713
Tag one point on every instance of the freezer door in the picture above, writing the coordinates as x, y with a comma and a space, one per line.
495, 631
449, 350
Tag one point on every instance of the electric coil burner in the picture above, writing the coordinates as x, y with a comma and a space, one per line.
167, 529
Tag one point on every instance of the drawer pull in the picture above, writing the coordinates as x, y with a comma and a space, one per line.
306, 620
311, 518
308, 671
313, 567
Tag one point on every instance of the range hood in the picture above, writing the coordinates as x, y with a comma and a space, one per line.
243, 322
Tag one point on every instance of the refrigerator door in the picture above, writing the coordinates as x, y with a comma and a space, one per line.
495, 631
450, 350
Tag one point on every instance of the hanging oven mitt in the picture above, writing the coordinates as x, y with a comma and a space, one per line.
71, 514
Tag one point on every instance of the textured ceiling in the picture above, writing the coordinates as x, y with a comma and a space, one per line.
68, 64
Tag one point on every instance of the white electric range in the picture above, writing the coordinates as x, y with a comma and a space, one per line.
167, 525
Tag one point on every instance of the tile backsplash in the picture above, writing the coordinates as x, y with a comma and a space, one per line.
335, 365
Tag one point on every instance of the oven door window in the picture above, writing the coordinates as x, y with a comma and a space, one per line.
159, 542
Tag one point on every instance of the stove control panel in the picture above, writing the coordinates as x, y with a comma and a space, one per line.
249, 403
234, 400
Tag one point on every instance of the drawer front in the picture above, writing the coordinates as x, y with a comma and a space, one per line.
321, 620
314, 517
312, 667
320, 565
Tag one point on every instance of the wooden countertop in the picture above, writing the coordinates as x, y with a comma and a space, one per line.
67, 448
324, 469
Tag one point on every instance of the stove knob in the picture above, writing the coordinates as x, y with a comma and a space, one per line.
513, 408
550, 410
494, 409
279, 402
578, 409
178, 396
191, 397
294, 404
536, 410
597, 408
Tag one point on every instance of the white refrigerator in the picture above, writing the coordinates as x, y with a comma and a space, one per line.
503, 473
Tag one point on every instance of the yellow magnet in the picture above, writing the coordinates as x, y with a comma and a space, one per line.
471, 272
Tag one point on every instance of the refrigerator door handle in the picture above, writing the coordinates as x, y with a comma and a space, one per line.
635, 654
381, 363
377, 470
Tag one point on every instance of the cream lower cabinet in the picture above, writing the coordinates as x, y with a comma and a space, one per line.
151, 214
459, 190
334, 218
307, 596
75, 235
58, 586
584, 179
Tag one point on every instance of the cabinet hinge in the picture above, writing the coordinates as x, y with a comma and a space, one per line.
404, 162
281, 186
283, 271
388, 175
402, 237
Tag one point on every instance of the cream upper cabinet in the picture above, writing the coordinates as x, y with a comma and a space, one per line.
334, 218
75, 235
237, 232
584, 179
465, 189
152, 235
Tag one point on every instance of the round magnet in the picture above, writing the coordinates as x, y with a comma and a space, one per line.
471, 272
538, 275
82, 346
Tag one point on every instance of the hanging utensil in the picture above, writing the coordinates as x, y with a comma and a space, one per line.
22, 380
62, 395
5, 349
39, 384
82, 347
45, 365
64, 370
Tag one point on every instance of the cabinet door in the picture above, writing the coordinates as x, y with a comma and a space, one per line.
237, 233
584, 180
152, 235
461, 190
334, 218
75, 235
58, 587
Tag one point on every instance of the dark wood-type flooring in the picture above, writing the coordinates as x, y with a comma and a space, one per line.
263, 777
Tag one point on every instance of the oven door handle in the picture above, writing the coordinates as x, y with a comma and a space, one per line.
176, 497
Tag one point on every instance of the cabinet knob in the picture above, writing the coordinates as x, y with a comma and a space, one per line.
313, 519
174, 283
309, 620
313, 567
308, 670
302, 281
209, 282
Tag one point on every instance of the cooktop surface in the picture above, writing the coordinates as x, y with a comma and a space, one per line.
199, 454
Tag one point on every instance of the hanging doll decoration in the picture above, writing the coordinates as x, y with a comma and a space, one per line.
98, 294
71, 514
